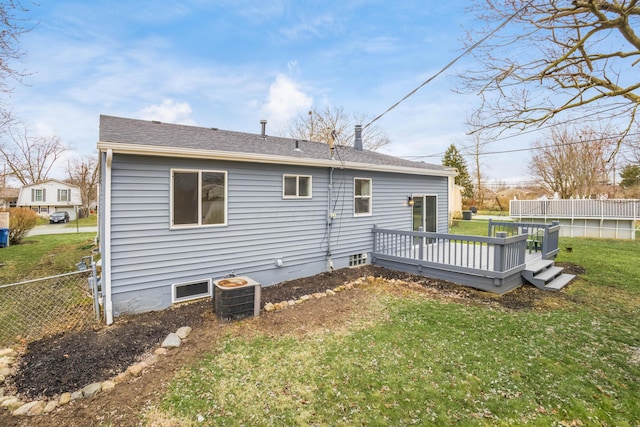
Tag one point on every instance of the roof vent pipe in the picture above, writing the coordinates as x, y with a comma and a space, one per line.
264, 129
357, 144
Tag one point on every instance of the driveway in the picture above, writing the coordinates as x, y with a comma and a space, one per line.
59, 229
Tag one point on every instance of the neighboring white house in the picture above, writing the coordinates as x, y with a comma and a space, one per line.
50, 196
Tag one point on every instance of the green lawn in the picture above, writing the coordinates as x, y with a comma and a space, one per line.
44, 255
430, 362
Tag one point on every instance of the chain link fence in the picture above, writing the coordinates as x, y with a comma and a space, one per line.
31, 309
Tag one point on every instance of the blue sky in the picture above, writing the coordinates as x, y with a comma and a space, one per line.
229, 64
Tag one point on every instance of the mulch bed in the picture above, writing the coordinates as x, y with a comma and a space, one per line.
69, 361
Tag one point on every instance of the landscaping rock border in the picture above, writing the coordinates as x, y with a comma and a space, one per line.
8, 358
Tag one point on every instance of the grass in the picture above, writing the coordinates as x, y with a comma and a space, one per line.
429, 362
474, 227
44, 255
90, 221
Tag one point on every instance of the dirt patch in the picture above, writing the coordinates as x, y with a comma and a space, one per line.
70, 361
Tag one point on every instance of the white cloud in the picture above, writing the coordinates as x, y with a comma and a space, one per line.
285, 100
170, 111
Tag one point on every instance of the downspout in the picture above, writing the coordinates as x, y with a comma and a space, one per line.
330, 216
106, 256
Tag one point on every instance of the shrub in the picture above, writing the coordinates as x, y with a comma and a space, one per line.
21, 220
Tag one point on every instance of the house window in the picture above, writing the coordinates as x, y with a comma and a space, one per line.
38, 194
64, 195
198, 198
362, 196
296, 186
190, 290
357, 259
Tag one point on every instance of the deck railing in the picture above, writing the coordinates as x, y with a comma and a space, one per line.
576, 208
500, 255
542, 237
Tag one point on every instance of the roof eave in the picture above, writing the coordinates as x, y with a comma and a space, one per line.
235, 156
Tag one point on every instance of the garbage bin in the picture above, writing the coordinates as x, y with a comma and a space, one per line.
466, 215
4, 237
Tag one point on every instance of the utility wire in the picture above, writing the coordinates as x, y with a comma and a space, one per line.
446, 67
548, 126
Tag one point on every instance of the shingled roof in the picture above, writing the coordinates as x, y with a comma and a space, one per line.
155, 138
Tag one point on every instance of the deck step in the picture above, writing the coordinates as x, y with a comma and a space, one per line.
537, 266
549, 274
559, 282
544, 274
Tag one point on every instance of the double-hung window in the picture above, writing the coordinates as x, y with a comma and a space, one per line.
63, 195
38, 194
296, 186
362, 196
198, 198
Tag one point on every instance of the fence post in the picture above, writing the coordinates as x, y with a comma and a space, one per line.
498, 252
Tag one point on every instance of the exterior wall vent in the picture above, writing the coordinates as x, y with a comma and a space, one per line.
181, 292
236, 298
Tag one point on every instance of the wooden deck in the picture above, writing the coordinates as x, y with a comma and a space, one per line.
495, 264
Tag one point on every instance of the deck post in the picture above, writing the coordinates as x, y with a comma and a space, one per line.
375, 239
498, 252
421, 248
490, 227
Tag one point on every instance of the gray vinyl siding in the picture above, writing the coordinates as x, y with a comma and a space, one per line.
147, 256
352, 234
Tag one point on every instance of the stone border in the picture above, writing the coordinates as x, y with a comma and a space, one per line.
268, 307
8, 358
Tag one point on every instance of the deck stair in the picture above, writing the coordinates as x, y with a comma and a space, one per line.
544, 274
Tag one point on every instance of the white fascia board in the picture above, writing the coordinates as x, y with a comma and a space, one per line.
148, 150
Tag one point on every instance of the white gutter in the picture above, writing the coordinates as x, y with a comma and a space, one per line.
235, 156
106, 256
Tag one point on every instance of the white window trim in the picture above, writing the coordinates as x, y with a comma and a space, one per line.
428, 195
66, 197
173, 226
35, 198
175, 300
370, 197
297, 177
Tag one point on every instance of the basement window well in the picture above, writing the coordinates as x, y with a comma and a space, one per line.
181, 292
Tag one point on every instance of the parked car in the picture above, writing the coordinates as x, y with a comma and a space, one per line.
56, 217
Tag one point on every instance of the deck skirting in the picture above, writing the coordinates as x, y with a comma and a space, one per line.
491, 281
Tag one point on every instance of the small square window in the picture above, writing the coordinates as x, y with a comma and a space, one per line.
357, 259
296, 186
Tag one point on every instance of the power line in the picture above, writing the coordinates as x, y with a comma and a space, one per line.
517, 150
446, 67
551, 125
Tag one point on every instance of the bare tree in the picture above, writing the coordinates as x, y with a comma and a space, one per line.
333, 124
12, 26
573, 164
83, 172
30, 158
555, 60
476, 150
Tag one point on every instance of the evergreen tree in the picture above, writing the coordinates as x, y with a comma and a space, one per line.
454, 159
630, 176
